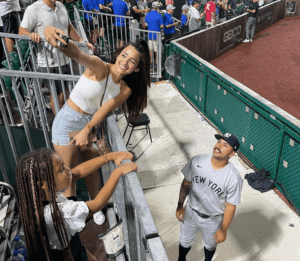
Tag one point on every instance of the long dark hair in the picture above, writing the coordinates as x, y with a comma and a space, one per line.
33, 169
137, 81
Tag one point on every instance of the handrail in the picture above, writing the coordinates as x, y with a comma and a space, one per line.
133, 208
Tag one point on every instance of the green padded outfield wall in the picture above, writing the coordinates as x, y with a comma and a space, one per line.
269, 136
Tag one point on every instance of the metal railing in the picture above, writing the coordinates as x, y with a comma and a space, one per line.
141, 236
106, 43
41, 122
25, 58
10, 223
106, 31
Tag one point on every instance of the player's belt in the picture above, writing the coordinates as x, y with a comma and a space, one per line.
204, 215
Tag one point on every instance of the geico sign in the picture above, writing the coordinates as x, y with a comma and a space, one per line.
232, 33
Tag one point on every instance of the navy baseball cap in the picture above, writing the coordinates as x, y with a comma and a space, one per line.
231, 139
196, 2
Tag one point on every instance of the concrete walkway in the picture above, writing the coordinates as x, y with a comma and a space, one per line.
261, 227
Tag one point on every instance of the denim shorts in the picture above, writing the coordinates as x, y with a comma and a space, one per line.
65, 121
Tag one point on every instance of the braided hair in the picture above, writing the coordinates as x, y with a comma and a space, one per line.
136, 81
34, 170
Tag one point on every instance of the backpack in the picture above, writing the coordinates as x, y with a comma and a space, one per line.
260, 180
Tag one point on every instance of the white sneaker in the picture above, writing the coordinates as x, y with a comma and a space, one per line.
99, 218
246, 41
250, 40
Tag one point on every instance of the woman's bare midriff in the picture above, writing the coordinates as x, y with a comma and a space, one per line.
75, 107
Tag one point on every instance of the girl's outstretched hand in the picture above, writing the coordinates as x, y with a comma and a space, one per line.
121, 155
127, 168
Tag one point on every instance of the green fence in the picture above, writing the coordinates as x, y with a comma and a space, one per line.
269, 136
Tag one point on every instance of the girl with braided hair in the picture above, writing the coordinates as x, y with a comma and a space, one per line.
101, 89
51, 221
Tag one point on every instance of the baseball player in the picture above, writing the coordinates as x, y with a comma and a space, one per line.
214, 187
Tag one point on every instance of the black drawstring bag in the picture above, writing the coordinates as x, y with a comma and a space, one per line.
260, 180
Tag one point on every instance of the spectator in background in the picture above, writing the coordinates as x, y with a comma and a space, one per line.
10, 19
104, 7
251, 22
217, 12
143, 6
169, 2
195, 18
136, 13
210, 13
185, 19
190, 2
36, 18
149, 4
231, 5
120, 8
155, 23
169, 25
90, 20
163, 4
222, 9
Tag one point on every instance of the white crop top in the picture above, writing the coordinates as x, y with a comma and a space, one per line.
87, 94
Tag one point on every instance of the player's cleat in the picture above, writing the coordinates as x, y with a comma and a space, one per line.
246, 41
99, 218
250, 40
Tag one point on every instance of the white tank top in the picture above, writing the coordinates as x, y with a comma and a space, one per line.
87, 94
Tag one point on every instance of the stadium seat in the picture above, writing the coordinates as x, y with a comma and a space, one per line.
78, 5
24, 45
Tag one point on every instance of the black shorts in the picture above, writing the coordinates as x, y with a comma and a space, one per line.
11, 23
120, 33
65, 69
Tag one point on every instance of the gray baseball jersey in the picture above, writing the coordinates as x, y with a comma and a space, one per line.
211, 188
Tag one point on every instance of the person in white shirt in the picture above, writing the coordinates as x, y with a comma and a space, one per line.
10, 19
195, 18
37, 17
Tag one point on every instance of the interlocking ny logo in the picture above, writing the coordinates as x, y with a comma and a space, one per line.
227, 135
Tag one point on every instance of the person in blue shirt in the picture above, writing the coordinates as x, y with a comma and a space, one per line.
120, 8
169, 25
184, 19
217, 11
155, 23
91, 20
104, 6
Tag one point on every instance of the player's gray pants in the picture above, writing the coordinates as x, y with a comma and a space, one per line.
191, 225
250, 25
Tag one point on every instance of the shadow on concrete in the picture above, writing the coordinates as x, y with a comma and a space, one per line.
254, 232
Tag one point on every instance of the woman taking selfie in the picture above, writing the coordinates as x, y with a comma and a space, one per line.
123, 81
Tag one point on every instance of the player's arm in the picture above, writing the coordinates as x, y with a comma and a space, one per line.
184, 191
221, 234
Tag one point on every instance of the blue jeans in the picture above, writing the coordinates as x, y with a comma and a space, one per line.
65, 121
